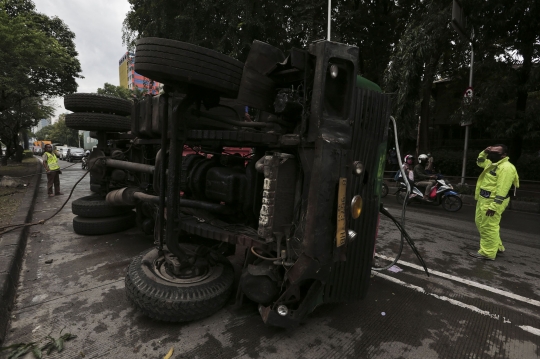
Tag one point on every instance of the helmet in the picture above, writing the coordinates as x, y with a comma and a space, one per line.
422, 158
408, 157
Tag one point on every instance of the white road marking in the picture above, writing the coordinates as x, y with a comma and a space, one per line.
526, 328
530, 329
466, 281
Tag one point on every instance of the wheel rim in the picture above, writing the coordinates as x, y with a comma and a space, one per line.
452, 203
160, 269
156, 265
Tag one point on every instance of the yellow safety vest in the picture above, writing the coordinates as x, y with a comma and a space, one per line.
495, 180
52, 162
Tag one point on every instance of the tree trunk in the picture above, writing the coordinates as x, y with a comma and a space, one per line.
429, 75
24, 135
524, 73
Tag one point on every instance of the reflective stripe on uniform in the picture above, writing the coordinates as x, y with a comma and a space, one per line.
499, 199
480, 160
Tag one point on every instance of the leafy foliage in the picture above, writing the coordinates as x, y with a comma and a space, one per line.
52, 344
59, 133
119, 91
38, 60
38, 55
16, 120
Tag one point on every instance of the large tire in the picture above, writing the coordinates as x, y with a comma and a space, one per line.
97, 207
98, 226
92, 102
89, 121
452, 203
169, 301
170, 61
257, 90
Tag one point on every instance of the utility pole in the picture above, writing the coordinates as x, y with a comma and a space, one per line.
329, 19
459, 24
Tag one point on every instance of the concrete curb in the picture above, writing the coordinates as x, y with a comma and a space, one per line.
12, 246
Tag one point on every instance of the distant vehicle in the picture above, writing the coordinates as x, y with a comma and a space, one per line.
62, 152
39, 146
75, 154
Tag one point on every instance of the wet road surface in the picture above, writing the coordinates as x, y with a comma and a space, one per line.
467, 308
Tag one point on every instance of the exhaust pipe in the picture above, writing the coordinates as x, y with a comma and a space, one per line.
129, 196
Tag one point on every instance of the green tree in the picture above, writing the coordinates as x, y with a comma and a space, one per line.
119, 91
507, 41
38, 61
15, 121
38, 56
58, 132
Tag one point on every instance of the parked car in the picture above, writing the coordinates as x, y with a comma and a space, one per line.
62, 152
75, 154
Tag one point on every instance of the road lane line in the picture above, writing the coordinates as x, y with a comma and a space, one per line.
526, 328
466, 281
530, 329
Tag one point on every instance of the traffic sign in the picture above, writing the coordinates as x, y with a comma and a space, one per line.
468, 95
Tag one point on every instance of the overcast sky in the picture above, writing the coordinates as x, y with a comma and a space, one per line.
97, 25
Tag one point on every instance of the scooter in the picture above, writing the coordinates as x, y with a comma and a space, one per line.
442, 193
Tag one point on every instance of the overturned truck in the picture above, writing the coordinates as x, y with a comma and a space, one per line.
296, 189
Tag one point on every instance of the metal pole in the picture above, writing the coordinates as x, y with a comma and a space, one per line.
467, 127
329, 18
418, 136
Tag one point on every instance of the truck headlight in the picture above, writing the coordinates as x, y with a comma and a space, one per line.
356, 206
334, 70
358, 168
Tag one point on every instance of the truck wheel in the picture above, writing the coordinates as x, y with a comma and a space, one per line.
96, 207
170, 61
93, 102
89, 121
452, 203
257, 91
157, 294
97, 226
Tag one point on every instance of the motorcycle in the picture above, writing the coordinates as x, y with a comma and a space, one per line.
442, 193
384, 190
84, 162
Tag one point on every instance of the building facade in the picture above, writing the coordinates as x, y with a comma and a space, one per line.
131, 80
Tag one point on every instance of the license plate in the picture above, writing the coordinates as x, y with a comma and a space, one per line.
341, 233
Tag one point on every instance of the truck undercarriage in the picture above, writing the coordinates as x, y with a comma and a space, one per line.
298, 188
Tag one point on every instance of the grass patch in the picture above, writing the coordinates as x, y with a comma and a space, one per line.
11, 198
27, 167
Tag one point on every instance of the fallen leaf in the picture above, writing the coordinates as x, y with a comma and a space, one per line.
169, 354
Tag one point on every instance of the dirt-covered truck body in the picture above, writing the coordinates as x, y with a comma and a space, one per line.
296, 190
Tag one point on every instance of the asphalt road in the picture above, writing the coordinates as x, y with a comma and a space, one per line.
466, 308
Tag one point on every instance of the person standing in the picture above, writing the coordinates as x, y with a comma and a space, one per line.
50, 162
492, 194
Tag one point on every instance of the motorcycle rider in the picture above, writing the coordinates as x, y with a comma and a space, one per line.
422, 178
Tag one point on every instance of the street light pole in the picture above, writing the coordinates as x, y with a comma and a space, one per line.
468, 125
329, 19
